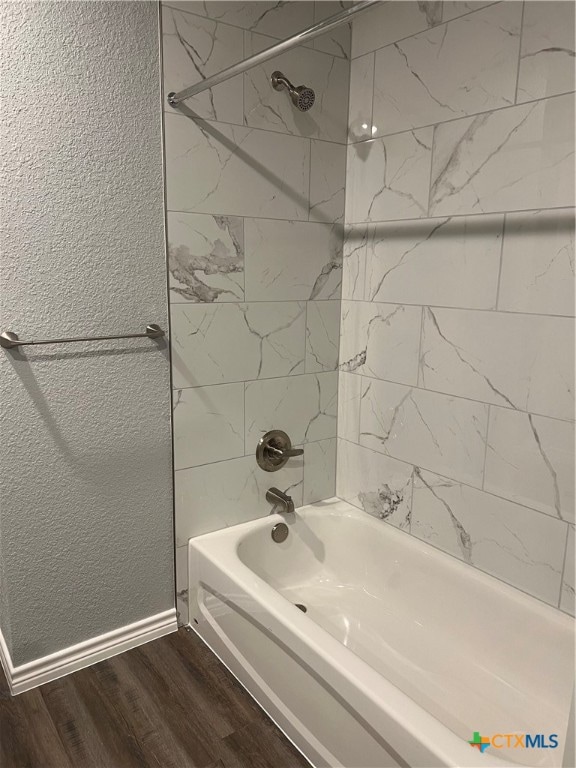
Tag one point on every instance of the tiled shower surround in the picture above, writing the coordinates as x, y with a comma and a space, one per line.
255, 197
457, 342
453, 406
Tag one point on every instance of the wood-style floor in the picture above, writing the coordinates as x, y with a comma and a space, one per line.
167, 704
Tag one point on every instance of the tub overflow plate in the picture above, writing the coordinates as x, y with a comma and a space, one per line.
280, 533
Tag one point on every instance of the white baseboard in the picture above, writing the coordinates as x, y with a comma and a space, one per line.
26, 676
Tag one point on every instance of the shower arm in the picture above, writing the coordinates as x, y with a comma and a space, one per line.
269, 53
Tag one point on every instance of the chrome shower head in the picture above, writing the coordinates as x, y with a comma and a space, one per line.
302, 97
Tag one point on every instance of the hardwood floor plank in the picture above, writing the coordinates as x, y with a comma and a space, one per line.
43, 741
14, 747
75, 724
166, 704
260, 745
138, 709
113, 732
221, 689
187, 726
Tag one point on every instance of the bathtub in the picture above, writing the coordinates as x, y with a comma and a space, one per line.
403, 652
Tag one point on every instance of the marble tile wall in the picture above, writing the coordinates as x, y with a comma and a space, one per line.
456, 389
255, 196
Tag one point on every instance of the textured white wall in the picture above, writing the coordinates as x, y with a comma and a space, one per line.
85, 486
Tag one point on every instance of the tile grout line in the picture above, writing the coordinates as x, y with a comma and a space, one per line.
466, 399
244, 120
519, 51
309, 180
242, 456
175, 113
309, 46
426, 30
430, 543
488, 418
244, 419
455, 119
376, 222
360, 407
497, 304
419, 377
373, 54
487, 310
458, 482
441, 393
244, 259
563, 569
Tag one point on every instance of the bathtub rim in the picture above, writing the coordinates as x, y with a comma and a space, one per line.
219, 549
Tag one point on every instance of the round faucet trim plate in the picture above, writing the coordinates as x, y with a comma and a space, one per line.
274, 450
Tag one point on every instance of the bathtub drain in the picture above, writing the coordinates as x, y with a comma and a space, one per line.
302, 607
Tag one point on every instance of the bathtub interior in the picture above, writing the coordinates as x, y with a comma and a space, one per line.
474, 653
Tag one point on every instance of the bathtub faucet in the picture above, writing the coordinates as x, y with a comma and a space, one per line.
280, 499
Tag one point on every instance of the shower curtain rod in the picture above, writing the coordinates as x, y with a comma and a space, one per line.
269, 53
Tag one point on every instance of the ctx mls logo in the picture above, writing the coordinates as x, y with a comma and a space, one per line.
514, 741
480, 742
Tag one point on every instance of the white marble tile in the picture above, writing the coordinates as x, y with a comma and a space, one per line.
219, 343
349, 394
380, 340
547, 53
303, 406
322, 335
519, 546
375, 483
388, 178
338, 41
208, 424
361, 93
288, 260
319, 471
453, 70
205, 257
389, 22
273, 110
327, 181
567, 602
234, 170
530, 460
278, 19
511, 159
182, 586
521, 361
195, 48
354, 261
215, 496
451, 9
538, 263
446, 262
441, 433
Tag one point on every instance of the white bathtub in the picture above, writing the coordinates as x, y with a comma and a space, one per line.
403, 654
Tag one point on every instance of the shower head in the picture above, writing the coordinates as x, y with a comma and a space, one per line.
302, 97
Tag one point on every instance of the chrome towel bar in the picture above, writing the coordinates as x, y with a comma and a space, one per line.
8, 339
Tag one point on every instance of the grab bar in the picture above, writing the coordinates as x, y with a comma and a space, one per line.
9, 340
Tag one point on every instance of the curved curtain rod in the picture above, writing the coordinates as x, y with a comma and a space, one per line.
269, 53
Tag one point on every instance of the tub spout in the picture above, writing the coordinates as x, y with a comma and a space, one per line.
280, 499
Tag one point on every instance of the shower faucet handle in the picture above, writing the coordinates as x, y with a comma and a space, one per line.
274, 450
285, 452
